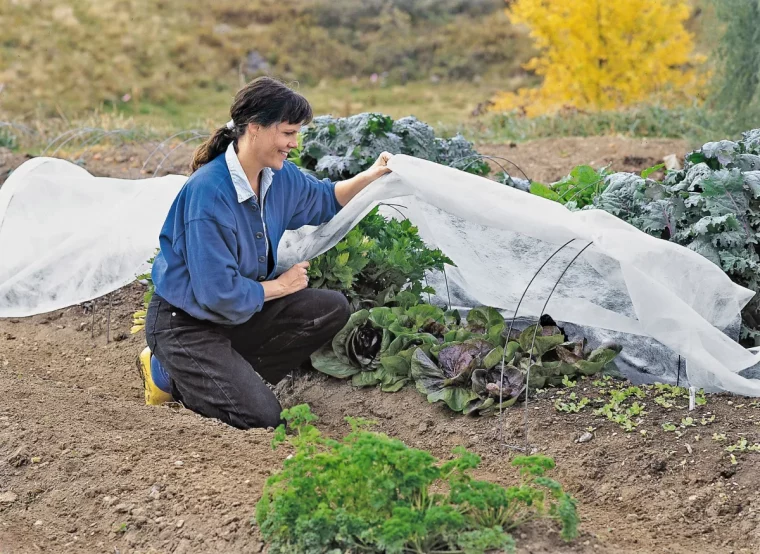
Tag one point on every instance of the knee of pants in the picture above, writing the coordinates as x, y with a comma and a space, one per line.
262, 421
340, 311
328, 308
266, 413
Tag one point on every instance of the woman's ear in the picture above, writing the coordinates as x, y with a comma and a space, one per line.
253, 129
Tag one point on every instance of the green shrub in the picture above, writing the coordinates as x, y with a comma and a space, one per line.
371, 493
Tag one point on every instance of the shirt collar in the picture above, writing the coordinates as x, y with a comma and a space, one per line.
240, 179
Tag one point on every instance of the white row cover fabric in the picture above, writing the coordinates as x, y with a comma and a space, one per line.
67, 237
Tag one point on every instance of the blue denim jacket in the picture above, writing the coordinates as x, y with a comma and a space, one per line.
216, 238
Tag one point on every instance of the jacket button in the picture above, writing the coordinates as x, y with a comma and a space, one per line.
262, 259
255, 207
262, 278
259, 235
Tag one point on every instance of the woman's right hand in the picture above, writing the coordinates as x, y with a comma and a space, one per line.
295, 278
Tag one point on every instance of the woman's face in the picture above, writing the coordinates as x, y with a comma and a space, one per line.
272, 144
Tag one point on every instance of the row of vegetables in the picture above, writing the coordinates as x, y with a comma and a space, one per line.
474, 364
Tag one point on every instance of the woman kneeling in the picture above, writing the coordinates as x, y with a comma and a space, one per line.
220, 322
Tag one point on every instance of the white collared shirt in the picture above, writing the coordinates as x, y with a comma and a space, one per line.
243, 185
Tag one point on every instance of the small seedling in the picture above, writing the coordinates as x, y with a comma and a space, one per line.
636, 409
660, 400
569, 383
571, 407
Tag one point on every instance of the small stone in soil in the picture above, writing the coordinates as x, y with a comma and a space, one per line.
8, 497
122, 508
585, 437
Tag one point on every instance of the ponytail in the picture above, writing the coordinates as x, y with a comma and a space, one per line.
212, 147
264, 101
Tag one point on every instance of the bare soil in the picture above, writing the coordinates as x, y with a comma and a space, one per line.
548, 160
86, 467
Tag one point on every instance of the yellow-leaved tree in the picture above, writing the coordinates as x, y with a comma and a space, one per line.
603, 54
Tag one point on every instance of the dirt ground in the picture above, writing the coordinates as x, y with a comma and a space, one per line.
86, 467
548, 160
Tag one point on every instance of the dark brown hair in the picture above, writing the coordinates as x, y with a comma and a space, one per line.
264, 101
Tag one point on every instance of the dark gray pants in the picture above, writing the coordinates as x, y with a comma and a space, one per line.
212, 366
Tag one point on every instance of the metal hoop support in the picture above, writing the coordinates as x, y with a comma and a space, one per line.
169, 153
509, 333
167, 139
493, 159
533, 343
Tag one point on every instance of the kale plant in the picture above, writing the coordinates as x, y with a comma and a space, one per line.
339, 148
711, 206
371, 493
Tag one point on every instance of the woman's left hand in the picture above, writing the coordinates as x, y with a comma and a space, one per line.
346, 190
380, 167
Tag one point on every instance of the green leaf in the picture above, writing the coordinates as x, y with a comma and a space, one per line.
723, 151
325, 361
456, 398
382, 317
428, 377
496, 355
648, 171
479, 405
458, 335
724, 191
585, 175
484, 318
544, 192
393, 383
541, 343
367, 378
422, 312
396, 365
597, 360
